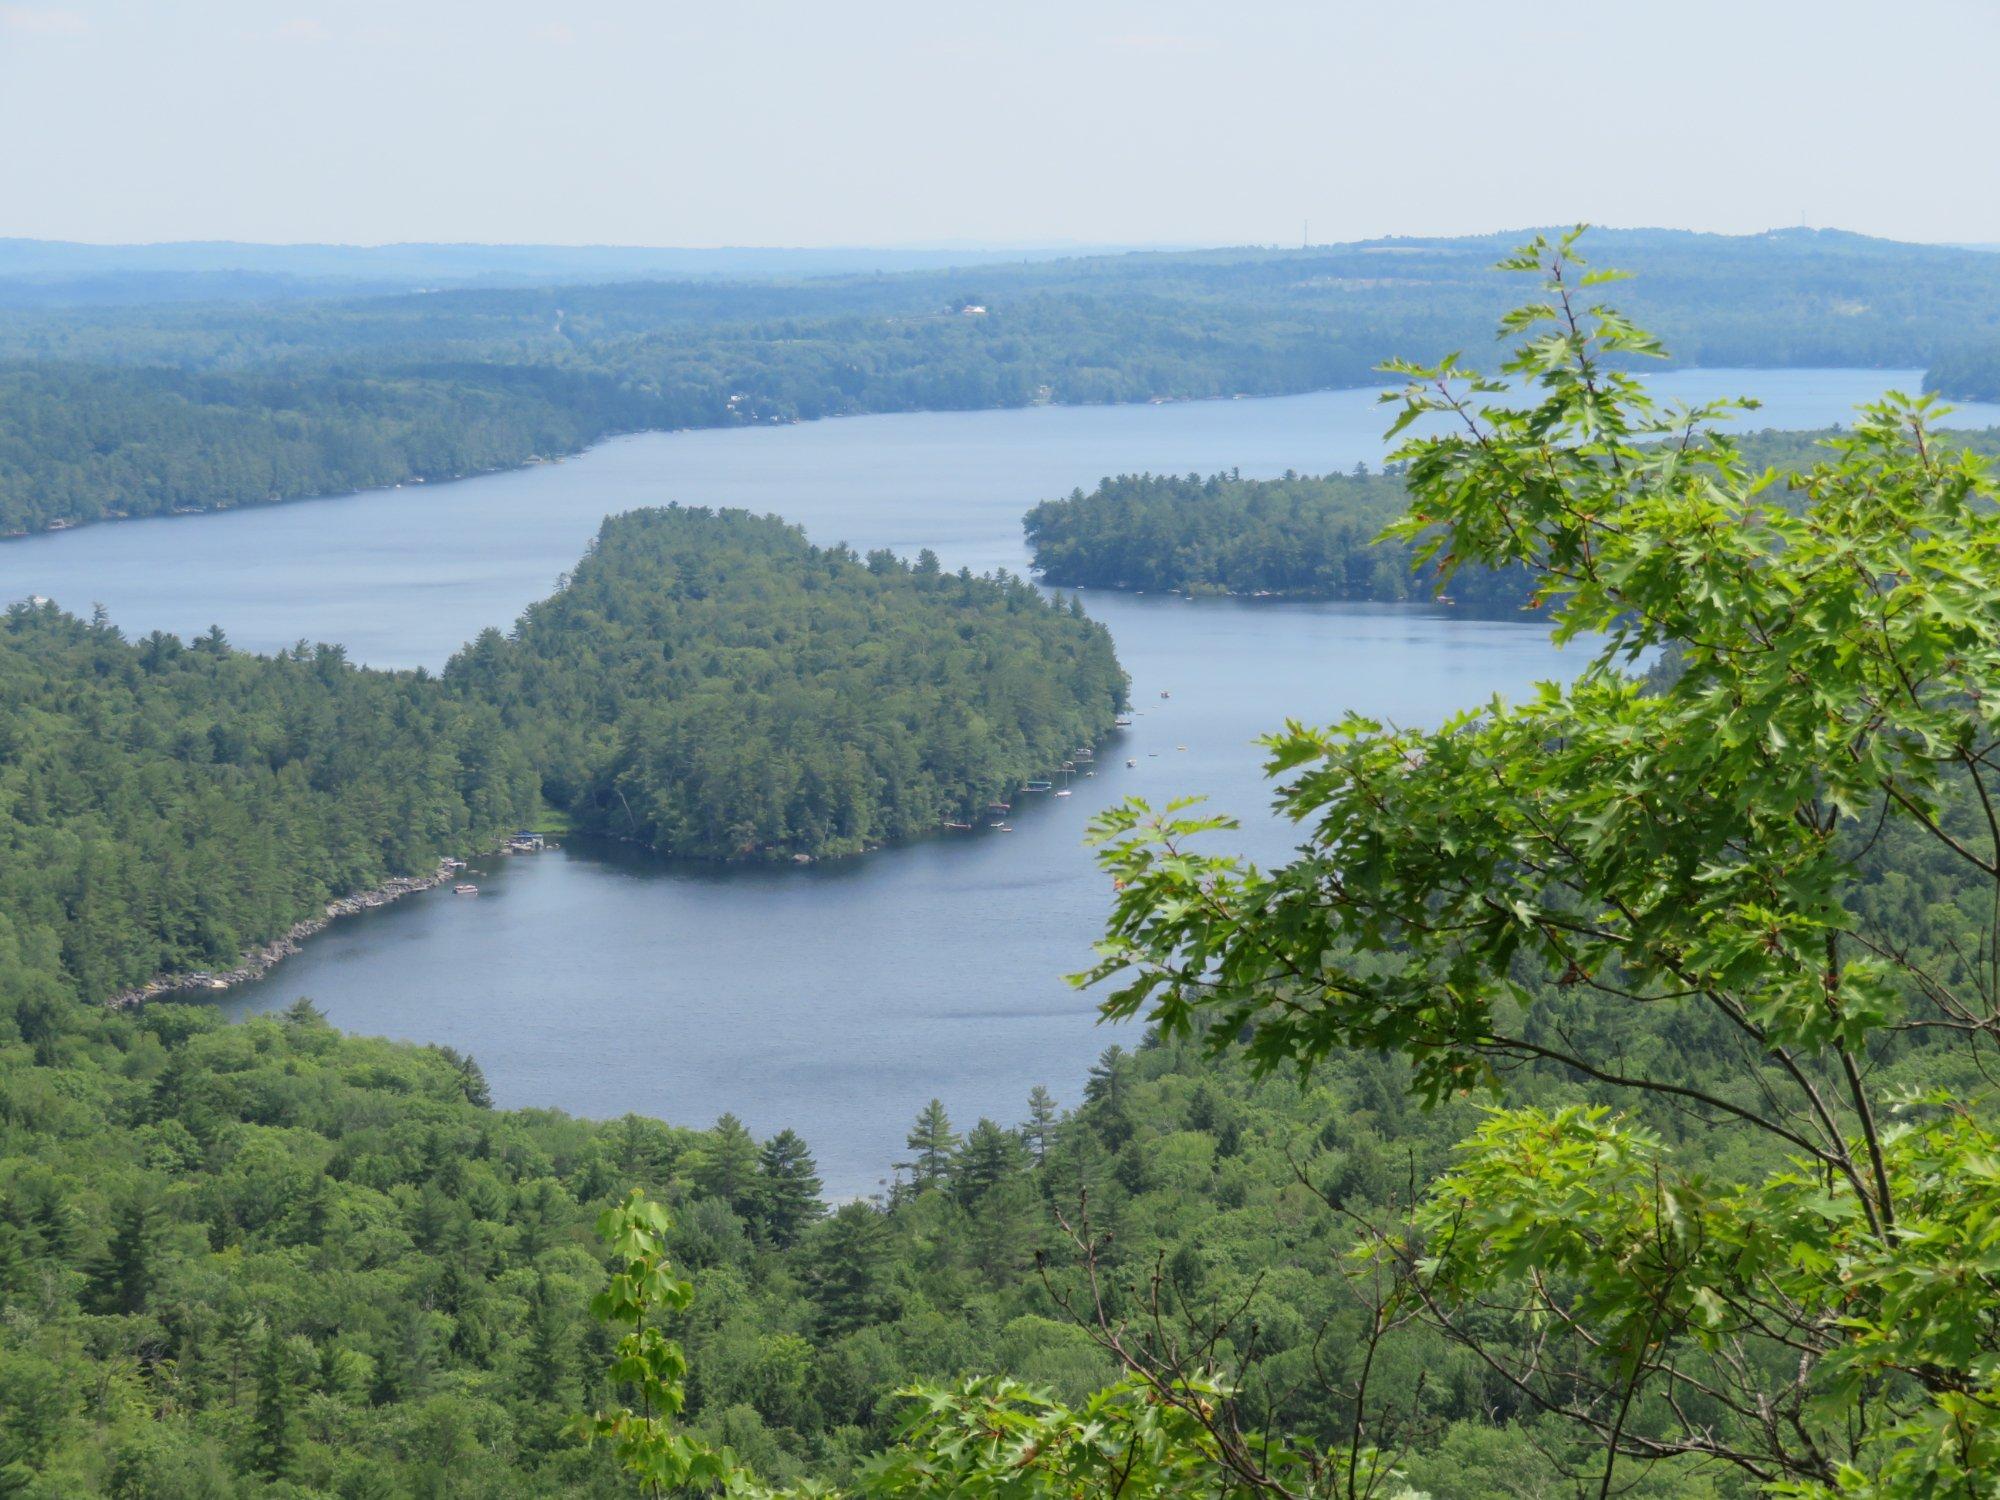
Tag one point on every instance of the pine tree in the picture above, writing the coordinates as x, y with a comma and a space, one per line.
1201, 1109
274, 1428
1106, 1084
123, 1279
790, 1188
725, 1167
1041, 1122
991, 1157
846, 1266
1000, 1239
545, 1360
933, 1144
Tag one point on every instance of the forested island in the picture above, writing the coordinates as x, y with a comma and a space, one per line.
712, 684
708, 684
1304, 536
114, 410
1969, 373
1301, 535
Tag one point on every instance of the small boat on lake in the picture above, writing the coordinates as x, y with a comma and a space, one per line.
1036, 785
1063, 792
961, 827
465, 888
999, 807
1130, 762
1000, 827
1165, 694
1123, 721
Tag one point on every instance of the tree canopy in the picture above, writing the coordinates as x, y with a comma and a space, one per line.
711, 684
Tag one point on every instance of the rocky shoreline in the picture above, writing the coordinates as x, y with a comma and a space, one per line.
260, 960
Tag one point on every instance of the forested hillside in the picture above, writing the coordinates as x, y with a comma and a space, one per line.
712, 684
164, 806
328, 395
265, 1259
85, 443
1969, 373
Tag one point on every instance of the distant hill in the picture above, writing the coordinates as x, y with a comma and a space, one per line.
69, 273
302, 395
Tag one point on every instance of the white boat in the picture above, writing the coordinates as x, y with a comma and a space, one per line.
465, 888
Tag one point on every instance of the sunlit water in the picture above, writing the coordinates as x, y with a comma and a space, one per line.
835, 999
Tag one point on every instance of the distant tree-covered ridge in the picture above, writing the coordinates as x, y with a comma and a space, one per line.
134, 410
712, 684
708, 684
85, 443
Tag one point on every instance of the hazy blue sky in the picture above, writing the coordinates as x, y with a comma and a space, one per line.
658, 122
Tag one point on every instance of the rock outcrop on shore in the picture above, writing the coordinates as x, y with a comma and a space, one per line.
260, 960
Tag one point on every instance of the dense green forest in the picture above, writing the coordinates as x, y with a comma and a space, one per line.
707, 683
319, 396
1298, 535
268, 1259
1970, 373
164, 806
81, 443
712, 684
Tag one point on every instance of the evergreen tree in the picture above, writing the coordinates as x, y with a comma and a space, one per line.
1041, 1122
1000, 1238
1105, 1085
933, 1144
123, 1279
992, 1157
274, 1426
725, 1167
545, 1356
790, 1188
846, 1266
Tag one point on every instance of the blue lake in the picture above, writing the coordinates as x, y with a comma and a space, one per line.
836, 999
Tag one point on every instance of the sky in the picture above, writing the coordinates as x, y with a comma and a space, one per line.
881, 122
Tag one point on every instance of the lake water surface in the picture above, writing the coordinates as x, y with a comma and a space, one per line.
835, 999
